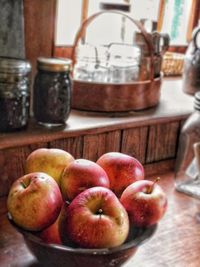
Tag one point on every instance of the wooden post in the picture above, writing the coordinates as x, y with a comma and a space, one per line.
194, 17
161, 12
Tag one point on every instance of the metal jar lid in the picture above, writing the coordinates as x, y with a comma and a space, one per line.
54, 64
14, 66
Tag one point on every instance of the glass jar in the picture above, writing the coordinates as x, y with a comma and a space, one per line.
124, 63
113, 63
14, 93
186, 168
52, 91
85, 67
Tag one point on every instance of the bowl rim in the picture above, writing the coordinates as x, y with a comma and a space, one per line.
146, 233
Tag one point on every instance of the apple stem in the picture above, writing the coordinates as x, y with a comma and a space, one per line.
100, 212
150, 189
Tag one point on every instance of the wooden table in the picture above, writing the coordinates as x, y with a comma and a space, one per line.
176, 242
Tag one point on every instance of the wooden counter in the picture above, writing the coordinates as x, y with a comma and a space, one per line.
176, 242
174, 106
151, 135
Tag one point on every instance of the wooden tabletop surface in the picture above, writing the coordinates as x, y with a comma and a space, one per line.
176, 242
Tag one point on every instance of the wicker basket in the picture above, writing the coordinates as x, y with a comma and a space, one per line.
173, 64
116, 97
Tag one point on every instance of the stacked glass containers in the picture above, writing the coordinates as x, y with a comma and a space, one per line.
113, 63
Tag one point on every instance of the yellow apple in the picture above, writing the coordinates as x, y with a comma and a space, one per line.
34, 201
48, 160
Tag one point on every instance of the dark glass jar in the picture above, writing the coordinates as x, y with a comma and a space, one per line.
52, 91
14, 93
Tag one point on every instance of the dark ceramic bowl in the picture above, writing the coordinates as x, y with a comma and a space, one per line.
60, 255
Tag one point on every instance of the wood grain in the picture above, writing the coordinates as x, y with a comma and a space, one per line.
73, 145
62, 51
162, 140
176, 242
96, 145
39, 19
193, 19
85, 5
12, 162
11, 167
161, 13
134, 143
159, 168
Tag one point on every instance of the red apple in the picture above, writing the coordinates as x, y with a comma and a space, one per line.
49, 160
51, 234
34, 201
95, 219
145, 202
80, 175
122, 170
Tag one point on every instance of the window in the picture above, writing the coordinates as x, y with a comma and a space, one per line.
68, 21
176, 17
176, 20
70, 12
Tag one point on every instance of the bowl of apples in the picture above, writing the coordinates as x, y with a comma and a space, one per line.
92, 214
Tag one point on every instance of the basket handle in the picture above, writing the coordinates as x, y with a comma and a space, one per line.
82, 30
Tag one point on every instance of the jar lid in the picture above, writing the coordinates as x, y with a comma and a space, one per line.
14, 65
54, 64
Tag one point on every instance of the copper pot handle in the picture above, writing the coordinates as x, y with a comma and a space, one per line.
157, 37
82, 30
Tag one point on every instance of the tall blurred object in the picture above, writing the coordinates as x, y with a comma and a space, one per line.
187, 176
12, 29
191, 71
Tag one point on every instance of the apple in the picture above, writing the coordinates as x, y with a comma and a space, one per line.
34, 201
51, 234
80, 175
145, 202
122, 170
95, 219
49, 160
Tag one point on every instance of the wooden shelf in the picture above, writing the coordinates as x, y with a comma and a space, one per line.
174, 105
